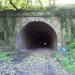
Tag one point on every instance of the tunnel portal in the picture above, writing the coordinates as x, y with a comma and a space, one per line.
37, 35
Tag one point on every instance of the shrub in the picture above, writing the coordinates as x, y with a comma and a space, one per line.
72, 44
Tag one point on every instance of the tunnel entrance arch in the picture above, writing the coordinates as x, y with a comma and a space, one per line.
37, 35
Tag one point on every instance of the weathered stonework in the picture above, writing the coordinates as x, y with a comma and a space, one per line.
52, 22
1, 24
1, 27
14, 23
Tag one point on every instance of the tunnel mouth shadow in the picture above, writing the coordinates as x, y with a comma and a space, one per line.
37, 35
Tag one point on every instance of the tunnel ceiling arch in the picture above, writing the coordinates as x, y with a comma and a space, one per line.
37, 35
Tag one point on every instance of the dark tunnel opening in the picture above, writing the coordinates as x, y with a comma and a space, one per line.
37, 35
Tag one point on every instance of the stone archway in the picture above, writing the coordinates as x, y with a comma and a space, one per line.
37, 35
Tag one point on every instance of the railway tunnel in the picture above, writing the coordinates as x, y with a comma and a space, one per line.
37, 35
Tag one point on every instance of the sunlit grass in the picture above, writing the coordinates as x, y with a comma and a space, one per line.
5, 56
67, 61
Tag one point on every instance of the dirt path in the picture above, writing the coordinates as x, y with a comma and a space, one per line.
37, 62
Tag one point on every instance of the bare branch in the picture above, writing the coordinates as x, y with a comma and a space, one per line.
13, 5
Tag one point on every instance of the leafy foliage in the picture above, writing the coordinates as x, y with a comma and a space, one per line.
72, 44
4, 56
24, 4
68, 62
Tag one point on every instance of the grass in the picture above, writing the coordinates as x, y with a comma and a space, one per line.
5, 56
68, 64
67, 60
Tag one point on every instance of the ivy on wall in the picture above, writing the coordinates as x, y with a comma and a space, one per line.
9, 28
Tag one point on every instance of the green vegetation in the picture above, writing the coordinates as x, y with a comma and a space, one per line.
25, 4
66, 16
72, 44
67, 60
29, 5
5, 56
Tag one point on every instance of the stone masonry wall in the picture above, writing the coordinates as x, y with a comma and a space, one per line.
13, 23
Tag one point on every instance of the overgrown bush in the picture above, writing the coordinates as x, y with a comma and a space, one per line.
72, 44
